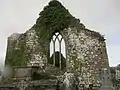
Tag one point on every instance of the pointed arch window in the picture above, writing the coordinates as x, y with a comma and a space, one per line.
57, 51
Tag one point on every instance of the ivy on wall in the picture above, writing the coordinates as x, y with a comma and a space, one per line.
18, 55
53, 18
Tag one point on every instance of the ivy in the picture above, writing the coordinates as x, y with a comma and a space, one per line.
44, 76
53, 18
18, 55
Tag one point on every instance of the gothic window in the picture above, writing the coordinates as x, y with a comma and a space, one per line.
57, 51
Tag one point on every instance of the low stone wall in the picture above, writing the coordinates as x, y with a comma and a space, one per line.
42, 87
8, 87
32, 87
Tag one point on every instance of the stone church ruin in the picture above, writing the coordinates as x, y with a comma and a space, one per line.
81, 60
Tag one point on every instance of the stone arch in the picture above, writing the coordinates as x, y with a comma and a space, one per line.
57, 51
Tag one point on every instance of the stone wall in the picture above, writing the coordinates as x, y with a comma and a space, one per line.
24, 50
36, 51
86, 53
85, 49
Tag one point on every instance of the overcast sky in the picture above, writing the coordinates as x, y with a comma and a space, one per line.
18, 16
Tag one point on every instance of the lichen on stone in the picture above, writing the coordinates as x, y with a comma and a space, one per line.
85, 49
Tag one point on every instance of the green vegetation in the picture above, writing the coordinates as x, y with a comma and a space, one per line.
54, 18
17, 56
37, 76
6, 81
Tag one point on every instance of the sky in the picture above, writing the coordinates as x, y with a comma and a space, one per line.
18, 16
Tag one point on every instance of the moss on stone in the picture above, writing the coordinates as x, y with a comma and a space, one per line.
54, 18
44, 76
18, 55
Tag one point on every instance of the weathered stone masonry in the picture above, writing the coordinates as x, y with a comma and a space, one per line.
86, 54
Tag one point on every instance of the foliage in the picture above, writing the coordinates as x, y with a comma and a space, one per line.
37, 76
6, 80
53, 18
17, 56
